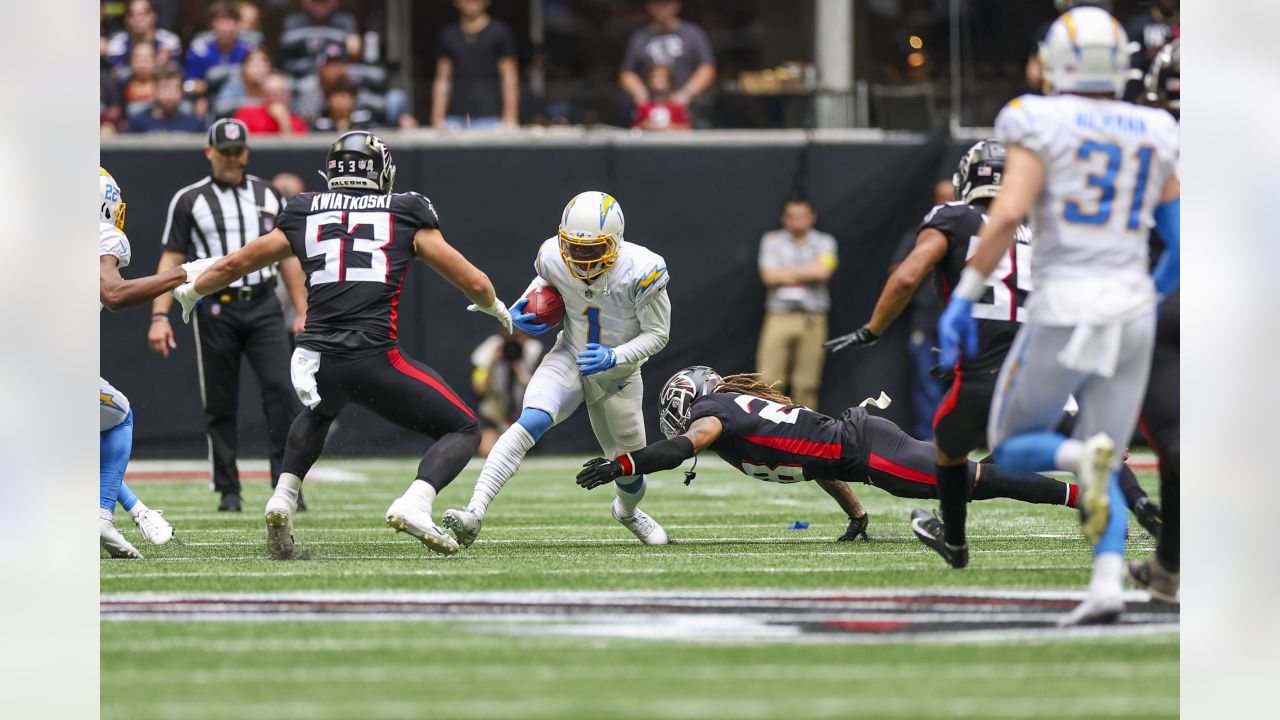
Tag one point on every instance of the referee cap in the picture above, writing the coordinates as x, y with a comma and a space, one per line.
227, 133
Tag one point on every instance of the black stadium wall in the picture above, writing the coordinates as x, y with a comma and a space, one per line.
703, 206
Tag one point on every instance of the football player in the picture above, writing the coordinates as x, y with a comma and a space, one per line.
356, 242
946, 240
115, 417
1094, 173
765, 435
617, 315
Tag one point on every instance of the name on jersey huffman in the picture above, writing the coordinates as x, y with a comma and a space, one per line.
339, 201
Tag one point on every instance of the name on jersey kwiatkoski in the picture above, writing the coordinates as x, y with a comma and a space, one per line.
341, 201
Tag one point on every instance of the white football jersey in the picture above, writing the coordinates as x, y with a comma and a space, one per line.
1106, 163
604, 310
112, 241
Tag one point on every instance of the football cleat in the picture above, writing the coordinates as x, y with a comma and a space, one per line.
1152, 576
154, 527
406, 516
1149, 515
857, 529
279, 518
230, 503
464, 523
1095, 485
930, 531
114, 542
1097, 609
641, 525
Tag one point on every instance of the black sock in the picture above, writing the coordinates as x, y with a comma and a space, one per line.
1029, 488
1133, 492
1167, 549
953, 493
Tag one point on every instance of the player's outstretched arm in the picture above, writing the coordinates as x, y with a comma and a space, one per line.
261, 252
116, 293
431, 248
655, 330
931, 246
662, 455
844, 497
1169, 224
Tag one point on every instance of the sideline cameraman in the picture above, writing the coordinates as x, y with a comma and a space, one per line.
502, 366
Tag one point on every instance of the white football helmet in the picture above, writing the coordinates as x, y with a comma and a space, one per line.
590, 231
112, 210
1085, 51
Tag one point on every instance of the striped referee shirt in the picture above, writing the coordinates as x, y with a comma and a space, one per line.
209, 219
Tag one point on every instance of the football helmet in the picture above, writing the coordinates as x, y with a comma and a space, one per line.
359, 160
678, 395
1162, 85
591, 228
1085, 51
111, 211
979, 172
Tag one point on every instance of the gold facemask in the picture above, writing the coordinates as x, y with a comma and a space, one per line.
588, 257
119, 216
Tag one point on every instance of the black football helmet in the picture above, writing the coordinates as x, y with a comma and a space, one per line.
1162, 84
979, 172
359, 160
678, 395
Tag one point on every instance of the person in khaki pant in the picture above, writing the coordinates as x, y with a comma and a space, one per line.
796, 262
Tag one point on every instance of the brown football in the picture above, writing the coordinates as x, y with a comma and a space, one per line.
546, 303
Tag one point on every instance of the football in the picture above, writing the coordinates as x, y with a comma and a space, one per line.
546, 303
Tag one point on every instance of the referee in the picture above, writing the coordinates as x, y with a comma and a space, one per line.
210, 218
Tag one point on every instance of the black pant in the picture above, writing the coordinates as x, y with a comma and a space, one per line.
400, 389
227, 328
1161, 422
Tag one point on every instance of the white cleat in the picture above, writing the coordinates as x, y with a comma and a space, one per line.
464, 523
411, 517
1097, 609
279, 517
114, 542
154, 527
1095, 483
641, 525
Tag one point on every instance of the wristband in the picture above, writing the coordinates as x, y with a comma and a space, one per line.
160, 316
972, 284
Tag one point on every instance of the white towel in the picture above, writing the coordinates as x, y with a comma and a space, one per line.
1093, 349
881, 402
302, 370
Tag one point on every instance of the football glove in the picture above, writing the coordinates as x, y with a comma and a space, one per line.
862, 337
857, 529
595, 358
186, 296
195, 267
598, 471
957, 332
498, 310
523, 321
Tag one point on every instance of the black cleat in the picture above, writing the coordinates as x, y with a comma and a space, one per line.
230, 503
1149, 515
857, 529
930, 531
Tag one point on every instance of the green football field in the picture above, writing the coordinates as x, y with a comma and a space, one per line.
558, 612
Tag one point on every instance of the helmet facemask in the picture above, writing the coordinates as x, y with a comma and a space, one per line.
112, 209
675, 402
587, 257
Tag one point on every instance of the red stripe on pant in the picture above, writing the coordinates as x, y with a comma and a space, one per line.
399, 363
949, 403
885, 464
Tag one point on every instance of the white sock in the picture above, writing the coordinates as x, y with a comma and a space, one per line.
422, 491
1108, 574
1067, 456
137, 509
503, 461
288, 487
628, 500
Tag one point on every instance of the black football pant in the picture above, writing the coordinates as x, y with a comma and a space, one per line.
227, 328
1161, 422
399, 389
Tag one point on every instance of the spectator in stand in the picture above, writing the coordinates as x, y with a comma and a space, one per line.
110, 114
244, 88
273, 116
661, 113
384, 106
502, 366
217, 52
668, 40
476, 83
249, 16
139, 80
309, 33
140, 29
165, 114
340, 112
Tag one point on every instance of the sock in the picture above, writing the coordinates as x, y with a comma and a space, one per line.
994, 482
114, 447
1107, 578
629, 495
1117, 531
288, 486
1067, 456
129, 501
1133, 492
423, 492
503, 461
953, 493
1030, 452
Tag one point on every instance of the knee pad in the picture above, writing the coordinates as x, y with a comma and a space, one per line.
535, 422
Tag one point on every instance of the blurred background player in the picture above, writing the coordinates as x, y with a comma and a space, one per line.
115, 417
1094, 173
617, 315
356, 242
502, 367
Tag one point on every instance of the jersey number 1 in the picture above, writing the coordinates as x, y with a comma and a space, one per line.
335, 268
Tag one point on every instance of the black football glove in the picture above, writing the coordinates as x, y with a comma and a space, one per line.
598, 471
857, 529
862, 337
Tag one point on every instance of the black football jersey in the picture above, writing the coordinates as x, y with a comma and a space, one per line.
1000, 309
355, 249
774, 442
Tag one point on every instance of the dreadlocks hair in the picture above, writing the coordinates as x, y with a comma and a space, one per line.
751, 384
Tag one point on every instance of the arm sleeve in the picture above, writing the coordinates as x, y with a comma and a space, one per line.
655, 329
114, 243
1167, 272
633, 60
830, 252
701, 47
662, 455
177, 226
506, 46
767, 257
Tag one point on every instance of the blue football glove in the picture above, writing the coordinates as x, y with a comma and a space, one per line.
523, 321
957, 332
595, 358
